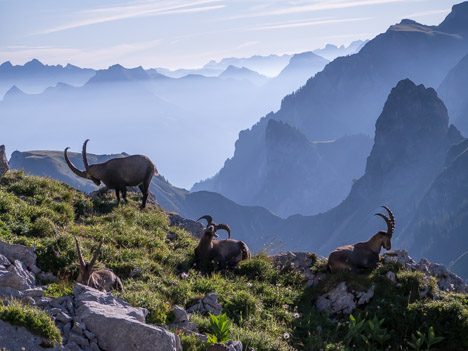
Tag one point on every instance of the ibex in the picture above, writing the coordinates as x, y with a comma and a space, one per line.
103, 280
118, 173
363, 255
226, 252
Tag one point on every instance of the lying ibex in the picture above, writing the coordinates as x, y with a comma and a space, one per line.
103, 280
118, 173
364, 254
226, 252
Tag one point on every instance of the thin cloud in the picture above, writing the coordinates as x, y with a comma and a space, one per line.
427, 13
103, 15
309, 23
321, 6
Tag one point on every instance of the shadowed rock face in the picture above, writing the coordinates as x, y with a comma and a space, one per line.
4, 167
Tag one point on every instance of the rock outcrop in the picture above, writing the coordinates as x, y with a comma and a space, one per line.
117, 326
13, 337
4, 167
446, 280
89, 321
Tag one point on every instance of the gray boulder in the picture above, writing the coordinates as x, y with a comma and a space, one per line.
4, 166
208, 304
118, 326
337, 300
12, 338
19, 252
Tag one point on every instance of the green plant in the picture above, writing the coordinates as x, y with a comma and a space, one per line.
366, 332
420, 339
219, 328
35, 320
356, 328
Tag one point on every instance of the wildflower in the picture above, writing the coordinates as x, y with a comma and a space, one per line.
249, 284
296, 315
378, 307
285, 306
354, 345
286, 336
57, 254
184, 275
278, 285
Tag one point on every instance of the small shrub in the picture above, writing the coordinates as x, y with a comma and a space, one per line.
35, 320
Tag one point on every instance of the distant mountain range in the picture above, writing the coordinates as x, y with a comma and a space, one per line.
34, 77
142, 109
344, 99
331, 52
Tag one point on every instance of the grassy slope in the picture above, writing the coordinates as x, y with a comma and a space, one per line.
270, 309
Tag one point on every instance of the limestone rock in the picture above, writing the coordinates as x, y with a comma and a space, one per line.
19, 252
337, 300
4, 167
208, 304
446, 280
194, 228
11, 337
118, 326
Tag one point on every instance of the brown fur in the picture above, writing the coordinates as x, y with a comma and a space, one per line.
363, 255
103, 280
226, 252
118, 173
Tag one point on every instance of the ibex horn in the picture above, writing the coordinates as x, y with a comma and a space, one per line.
208, 218
225, 227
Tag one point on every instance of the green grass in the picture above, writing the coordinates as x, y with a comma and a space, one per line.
32, 318
269, 309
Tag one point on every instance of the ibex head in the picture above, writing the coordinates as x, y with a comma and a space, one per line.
87, 173
386, 236
86, 269
212, 227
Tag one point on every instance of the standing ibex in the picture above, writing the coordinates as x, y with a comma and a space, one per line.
118, 173
363, 255
103, 280
226, 252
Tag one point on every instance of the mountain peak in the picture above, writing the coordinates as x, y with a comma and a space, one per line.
457, 20
412, 127
12, 92
33, 63
119, 73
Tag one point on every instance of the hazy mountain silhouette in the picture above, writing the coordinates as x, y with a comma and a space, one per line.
34, 77
134, 108
331, 52
454, 92
349, 93
412, 138
294, 175
233, 72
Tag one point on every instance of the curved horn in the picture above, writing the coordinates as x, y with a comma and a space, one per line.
85, 160
96, 254
225, 227
72, 166
208, 218
80, 257
389, 223
392, 217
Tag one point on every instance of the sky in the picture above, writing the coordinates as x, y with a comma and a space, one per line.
189, 33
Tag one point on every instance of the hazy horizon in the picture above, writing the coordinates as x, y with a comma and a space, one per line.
182, 34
